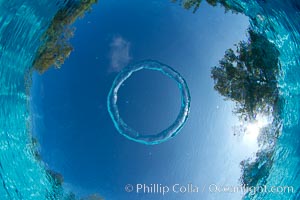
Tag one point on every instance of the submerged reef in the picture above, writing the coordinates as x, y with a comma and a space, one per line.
56, 47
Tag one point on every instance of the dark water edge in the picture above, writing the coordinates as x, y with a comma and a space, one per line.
24, 22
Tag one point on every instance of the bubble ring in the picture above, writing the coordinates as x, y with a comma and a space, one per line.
132, 134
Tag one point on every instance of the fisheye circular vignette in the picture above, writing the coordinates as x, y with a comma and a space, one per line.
134, 135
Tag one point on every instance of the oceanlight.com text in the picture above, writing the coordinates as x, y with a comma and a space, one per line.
163, 189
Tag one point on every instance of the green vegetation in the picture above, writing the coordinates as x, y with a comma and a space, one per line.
195, 4
247, 76
58, 191
93, 197
56, 47
256, 172
35, 149
188, 4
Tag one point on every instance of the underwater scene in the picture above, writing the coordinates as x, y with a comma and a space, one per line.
150, 99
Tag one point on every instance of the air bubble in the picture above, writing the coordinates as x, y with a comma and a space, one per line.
134, 135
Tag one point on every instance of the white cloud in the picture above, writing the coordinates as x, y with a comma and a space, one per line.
119, 56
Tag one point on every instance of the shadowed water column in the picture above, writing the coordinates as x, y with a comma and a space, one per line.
134, 135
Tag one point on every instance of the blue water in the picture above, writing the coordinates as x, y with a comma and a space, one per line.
22, 23
167, 133
279, 20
